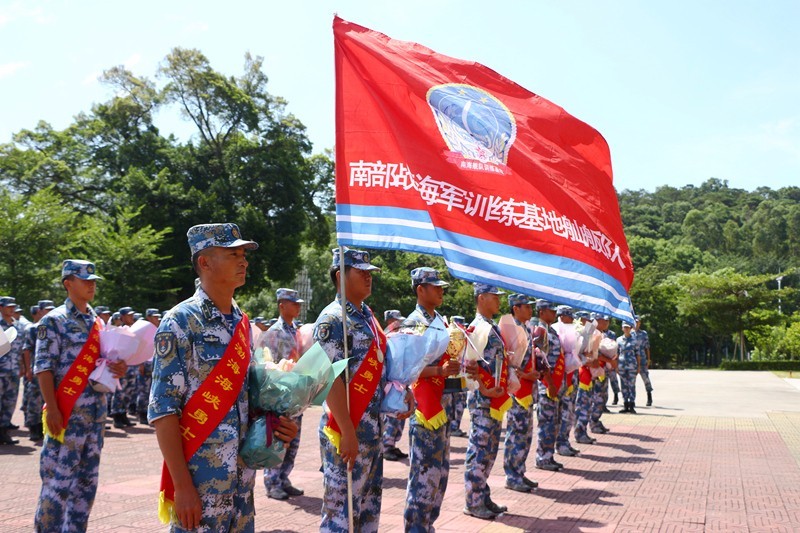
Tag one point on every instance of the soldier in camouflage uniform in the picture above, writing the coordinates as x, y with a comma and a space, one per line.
583, 400
359, 446
484, 431
519, 428
643, 354
126, 393
214, 489
144, 373
392, 426
281, 339
568, 398
600, 396
628, 366
459, 399
32, 406
429, 464
10, 365
69, 469
548, 408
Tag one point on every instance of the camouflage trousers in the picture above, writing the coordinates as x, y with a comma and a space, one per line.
279, 476
456, 409
392, 431
233, 513
143, 383
599, 400
583, 407
566, 411
367, 477
69, 473
628, 378
429, 466
9, 392
548, 417
519, 436
32, 402
644, 371
484, 440
611, 375
125, 394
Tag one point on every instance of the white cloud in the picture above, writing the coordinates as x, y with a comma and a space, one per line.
21, 11
132, 61
9, 69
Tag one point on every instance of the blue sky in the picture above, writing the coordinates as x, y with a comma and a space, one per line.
682, 90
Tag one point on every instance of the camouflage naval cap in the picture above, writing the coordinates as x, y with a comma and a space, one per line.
357, 259
541, 303
427, 276
225, 235
484, 288
152, 311
627, 325
458, 319
79, 268
518, 299
34, 309
581, 314
392, 314
126, 311
288, 294
45, 304
564, 310
259, 320
8, 301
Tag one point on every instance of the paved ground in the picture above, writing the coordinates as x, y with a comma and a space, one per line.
719, 451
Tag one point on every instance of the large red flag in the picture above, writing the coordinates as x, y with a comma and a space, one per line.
445, 156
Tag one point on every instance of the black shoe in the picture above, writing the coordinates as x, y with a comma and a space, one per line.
616, 399
631, 409
557, 464
649, 398
36, 432
480, 512
531, 483
574, 450
143, 419
127, 421
277, 494
5, 438
458, 433
605, 409
119, 423
518, 487
399, 453
551, 467
625, 409
391, 454
291, 490
493, 507
585, 439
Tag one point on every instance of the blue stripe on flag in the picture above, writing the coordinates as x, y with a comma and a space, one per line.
556, 278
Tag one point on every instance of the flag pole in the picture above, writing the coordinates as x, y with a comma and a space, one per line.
343, 301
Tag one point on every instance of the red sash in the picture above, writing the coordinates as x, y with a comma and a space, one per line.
208, 406
524, 396
571, 382
76, 379
428, 395
497, 406
362, 386
585, 378
558, 374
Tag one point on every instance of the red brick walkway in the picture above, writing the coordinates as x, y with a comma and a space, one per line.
656, 471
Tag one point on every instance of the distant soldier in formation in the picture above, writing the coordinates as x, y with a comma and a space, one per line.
643, 354
567, 408
628, 367
458, 400
125, 394
281, 339
392, 426
551, 388
10, 367
144, 373
586, 385
32, 396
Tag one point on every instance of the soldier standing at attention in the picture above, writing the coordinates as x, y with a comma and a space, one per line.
144, 374
67, 348
10, 369
281, 339
350, 433
198, 402
33, 406
126, 393
430, 442
568, 398
643, 354
519, 429
487, 405
628, 366
392, 426
550, 388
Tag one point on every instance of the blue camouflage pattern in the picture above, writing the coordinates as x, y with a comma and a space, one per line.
547, 412
429, 457
225, 235
392, 431
367, 473
642, 345
144, 382
281, 339
566, 412
628, 366
456, 410
32, 394
69, 470
519, 425
189, 342
10, 365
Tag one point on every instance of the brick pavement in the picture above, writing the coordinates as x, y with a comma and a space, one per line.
661, 470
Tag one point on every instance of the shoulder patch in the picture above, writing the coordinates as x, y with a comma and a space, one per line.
164, 343
323, 331
41, 332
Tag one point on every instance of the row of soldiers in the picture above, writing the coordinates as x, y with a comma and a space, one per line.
198, 399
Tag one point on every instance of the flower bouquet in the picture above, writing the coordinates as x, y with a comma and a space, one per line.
283, 389
116, 344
